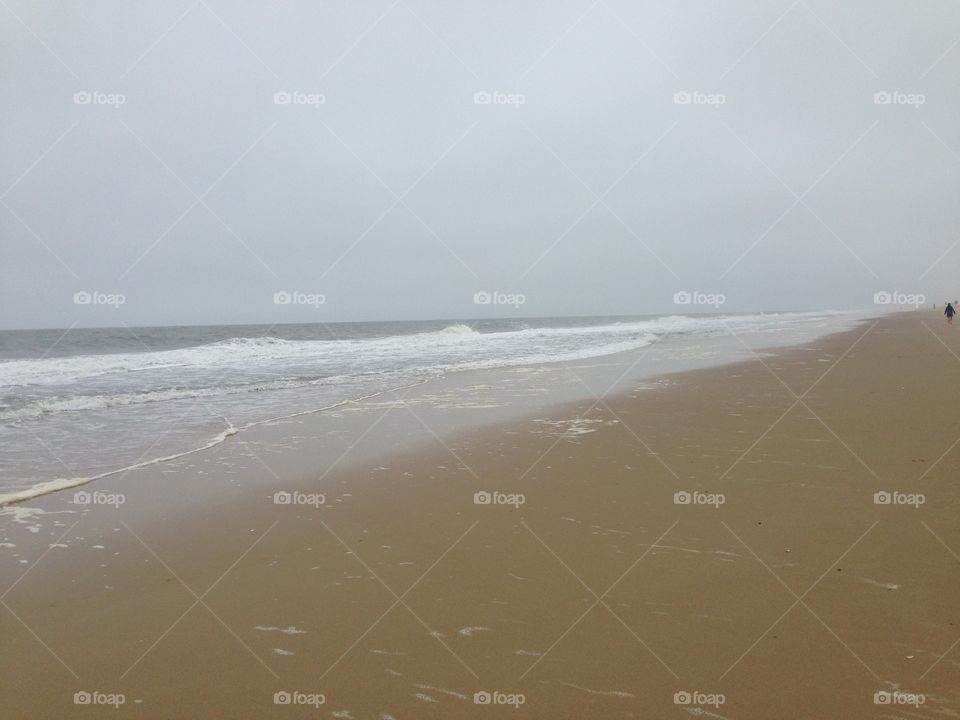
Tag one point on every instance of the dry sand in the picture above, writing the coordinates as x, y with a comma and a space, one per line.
599, 596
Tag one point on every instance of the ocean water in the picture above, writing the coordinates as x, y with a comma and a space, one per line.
80, 404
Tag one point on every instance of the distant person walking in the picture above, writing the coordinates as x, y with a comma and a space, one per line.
950, 312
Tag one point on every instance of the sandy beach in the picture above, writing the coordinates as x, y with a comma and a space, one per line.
711, 544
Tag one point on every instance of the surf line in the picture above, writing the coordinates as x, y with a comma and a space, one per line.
50, 486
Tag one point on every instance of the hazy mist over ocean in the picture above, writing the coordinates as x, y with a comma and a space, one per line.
198, 160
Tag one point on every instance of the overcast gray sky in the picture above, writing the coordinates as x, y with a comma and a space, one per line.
624, 152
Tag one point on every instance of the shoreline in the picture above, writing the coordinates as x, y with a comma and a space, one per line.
444, 377
599, 596
53, 486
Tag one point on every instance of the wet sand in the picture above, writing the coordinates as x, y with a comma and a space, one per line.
599, 596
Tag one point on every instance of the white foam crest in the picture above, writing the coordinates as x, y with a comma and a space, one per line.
100, 402
456, 344
459, 330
